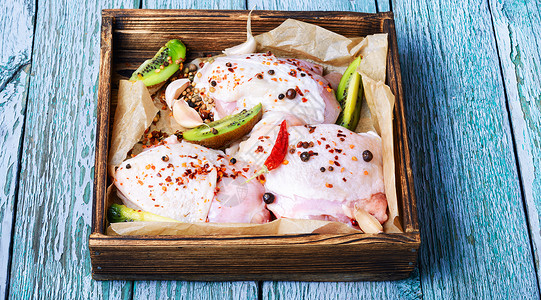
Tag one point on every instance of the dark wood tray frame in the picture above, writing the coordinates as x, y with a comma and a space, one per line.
129, 37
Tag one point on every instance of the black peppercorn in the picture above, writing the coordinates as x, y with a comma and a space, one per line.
165, 158
330, 168
305, 156
367, 155
271, 72
291, 94
213, 83
281, 96
268, 198
302, 74
128, 166
322, 169
259, 76
228, 64
233, 160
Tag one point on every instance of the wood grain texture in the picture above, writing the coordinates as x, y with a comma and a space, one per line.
404, 289
50, 251
17, 31
475, 242
518, 36
185, 289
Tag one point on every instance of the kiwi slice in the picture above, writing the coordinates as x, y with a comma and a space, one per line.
221, 133
164, 64
350, 94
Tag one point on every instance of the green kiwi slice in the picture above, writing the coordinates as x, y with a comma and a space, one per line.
221, 133
350, 94
163, 65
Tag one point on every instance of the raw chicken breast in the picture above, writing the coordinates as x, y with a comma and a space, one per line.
237, 201
242, 81
191, 183
333, 179
173, 180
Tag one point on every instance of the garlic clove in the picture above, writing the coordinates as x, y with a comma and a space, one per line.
174, 89
367, 222
247, 47
185, 115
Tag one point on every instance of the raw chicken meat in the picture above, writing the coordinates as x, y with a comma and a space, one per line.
237, 201
242, 81
190, 183
326, 175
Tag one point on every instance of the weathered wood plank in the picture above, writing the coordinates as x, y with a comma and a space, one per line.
518, 36
403, 289
475, 242
383, 5
17, 27
50, 249
185, 289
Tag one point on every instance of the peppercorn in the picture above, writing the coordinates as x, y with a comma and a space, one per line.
302, 74
281, 96
305, 156
305, 145
367, 155
330, 168
271, 72
259, 76
322, 169
128, 166
192, 68
268, 198
228, 64
213, 83
291, 94
165, 158
233, 160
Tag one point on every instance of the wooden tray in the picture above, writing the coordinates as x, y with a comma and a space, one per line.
131, 36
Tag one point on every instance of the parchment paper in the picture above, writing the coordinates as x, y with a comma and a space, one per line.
134, 114
301, 40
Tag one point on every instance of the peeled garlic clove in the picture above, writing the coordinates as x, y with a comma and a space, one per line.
247, 47
185, 115
367, 222
174, 89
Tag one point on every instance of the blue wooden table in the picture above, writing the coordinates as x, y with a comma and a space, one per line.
472, 83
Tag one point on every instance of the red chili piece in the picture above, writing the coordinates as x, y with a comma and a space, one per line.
279, 150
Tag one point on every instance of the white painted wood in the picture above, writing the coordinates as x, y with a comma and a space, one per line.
17, 29
518, 36
54, 206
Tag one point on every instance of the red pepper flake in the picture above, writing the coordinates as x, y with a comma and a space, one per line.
159, 175
285, 162
342, 139
365, 172
318, 142
354, 158
140, 182
351, 146
328, 185
259, 149
299, 92
304, 99
170, 166
299, 144
344, 179
168, 179
337, 164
